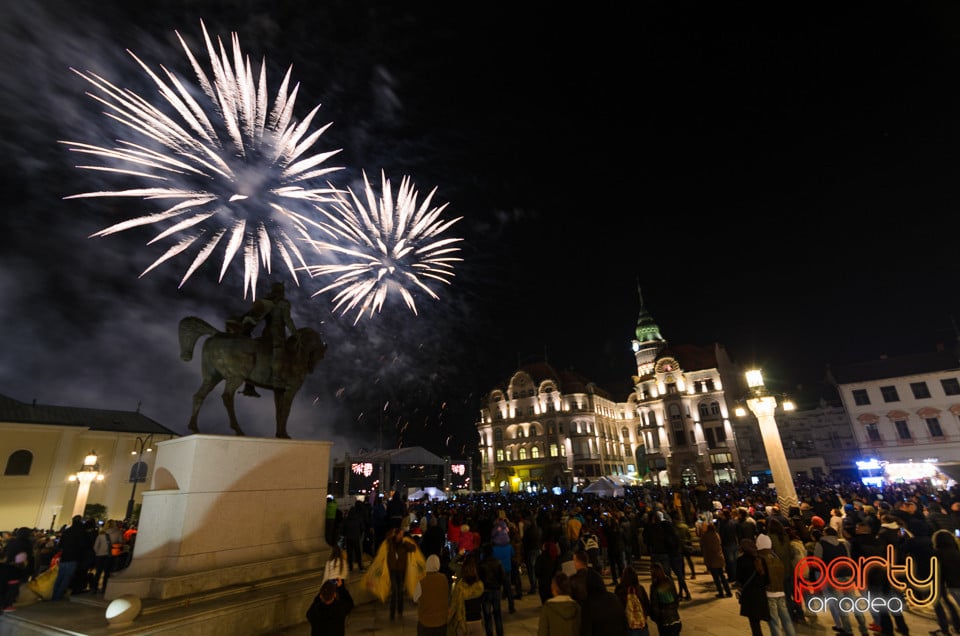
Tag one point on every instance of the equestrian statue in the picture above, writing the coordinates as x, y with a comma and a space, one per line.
273, 360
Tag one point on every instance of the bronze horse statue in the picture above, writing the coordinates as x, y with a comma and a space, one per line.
237, 359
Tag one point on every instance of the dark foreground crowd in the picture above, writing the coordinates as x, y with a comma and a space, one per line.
76, 559
491, 548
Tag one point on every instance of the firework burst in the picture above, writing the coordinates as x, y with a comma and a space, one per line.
387, 244
239, 175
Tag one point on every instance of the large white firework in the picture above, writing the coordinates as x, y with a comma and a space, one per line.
243, 175
387, 245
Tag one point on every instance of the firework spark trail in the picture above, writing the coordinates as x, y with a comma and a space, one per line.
389, 244
245, 176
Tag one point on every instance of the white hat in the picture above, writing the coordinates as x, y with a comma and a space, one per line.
433, 563
763, 542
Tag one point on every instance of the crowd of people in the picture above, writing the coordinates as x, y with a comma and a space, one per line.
476, 553
76, 559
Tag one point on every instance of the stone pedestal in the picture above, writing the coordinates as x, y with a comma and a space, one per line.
225, 511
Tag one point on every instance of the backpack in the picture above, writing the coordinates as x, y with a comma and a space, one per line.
636, 619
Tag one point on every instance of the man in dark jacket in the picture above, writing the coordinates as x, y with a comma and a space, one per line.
602, 613
494, 579
74, 545
327, 614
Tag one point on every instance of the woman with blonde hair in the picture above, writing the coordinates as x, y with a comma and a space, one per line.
465, 617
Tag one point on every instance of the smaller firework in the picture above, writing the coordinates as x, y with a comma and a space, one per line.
384, 245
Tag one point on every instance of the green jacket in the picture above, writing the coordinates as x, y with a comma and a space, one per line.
559, 616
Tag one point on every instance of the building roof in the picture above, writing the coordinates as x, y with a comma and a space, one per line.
899, 366
15, 412
567, 380
691, 357
411, 455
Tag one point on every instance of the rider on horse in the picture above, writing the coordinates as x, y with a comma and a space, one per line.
274, 311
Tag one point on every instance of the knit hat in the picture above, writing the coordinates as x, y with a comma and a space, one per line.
433, 563
816, 522
763, 542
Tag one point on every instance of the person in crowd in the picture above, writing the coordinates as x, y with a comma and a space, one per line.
328, 613
399, 547
729, 539
865, 544
494, 580
432, 597
674, 547
330, 529
353, 532
74, 544
774, 572
102, 560
505, 554
713, 559
685, 538
560, 615
752, 587
602, 614
336, 566
664, 602
464, 615
433, 539
657, 536
546, 565
584, 577
829, 548
615, 546
17, 566
531, 542
948, 596
630, 584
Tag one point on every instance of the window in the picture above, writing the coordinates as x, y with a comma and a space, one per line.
499, 454
903, 431
679, 437
498, 435
522, 454
933, 425
553, 450
889, 394
714, 408
625, 433
950, 386
138, 472
860, 397
872, 433
704, 411
19, 463
509, 455
708, 435
920, 390
535, 452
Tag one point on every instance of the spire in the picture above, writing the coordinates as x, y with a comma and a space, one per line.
647, 329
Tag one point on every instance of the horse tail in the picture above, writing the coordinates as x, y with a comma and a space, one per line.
191, 328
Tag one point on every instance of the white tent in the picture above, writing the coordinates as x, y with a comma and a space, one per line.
604, 487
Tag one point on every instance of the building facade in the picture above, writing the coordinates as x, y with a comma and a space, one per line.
42, 446
547, 428
905, 410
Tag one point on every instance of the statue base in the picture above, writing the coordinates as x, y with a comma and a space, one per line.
227, 511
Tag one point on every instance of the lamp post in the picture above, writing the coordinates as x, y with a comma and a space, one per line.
56, 511
139, 471
763, 405
88, 473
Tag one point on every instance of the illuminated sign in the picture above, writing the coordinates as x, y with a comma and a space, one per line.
458, 469
365, 469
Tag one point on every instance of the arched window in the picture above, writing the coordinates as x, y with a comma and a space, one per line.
498, 435
19, 463
704, 410
522, 453
535, 452
624, 433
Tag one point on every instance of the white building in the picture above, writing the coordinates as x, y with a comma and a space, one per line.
42, 446
904, 410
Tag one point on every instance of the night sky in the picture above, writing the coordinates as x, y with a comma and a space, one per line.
778, 180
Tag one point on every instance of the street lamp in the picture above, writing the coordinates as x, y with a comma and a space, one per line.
138, 472
88, 473
763, 405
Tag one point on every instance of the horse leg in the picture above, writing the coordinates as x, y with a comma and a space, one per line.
282, 399
209, 382
229, 390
